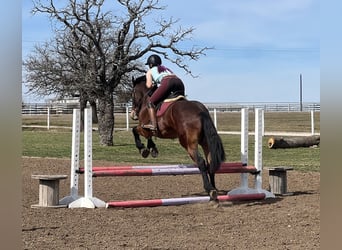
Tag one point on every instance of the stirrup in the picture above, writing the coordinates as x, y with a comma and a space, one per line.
150, 127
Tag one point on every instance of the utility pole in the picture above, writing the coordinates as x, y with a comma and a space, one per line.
301, 92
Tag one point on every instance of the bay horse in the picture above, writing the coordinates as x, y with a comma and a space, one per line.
190, 122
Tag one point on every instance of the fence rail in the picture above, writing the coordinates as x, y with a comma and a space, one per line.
226, 117
267, 107
66, 108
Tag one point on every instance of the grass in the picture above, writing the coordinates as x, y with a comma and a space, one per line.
57, 143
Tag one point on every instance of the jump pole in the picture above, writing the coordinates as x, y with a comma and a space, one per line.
182, 200
168, 171
224, 165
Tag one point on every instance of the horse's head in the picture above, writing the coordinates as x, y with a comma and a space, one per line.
139, 95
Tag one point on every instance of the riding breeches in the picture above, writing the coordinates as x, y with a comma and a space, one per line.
168, 85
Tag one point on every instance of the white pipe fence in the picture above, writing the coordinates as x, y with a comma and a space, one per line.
44, 109
67, 108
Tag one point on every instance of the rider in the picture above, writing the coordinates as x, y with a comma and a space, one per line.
168, 82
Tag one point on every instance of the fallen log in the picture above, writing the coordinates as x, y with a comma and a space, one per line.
293, 141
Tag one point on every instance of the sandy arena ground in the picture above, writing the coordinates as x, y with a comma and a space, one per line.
287, 222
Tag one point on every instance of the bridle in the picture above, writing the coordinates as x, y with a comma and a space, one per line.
137, 104
135, 110
138, 101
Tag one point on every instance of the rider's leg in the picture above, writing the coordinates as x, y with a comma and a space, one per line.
156, 97
153, 119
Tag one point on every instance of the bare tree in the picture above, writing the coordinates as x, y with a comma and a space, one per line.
57, 68
106, 48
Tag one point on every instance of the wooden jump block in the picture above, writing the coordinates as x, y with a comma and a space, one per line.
49, 190
278, 180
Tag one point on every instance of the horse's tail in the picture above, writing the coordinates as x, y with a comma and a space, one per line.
217, 153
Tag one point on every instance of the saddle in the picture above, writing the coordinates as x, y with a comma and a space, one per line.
163, 106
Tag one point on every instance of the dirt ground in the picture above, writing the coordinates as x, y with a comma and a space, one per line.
287, 222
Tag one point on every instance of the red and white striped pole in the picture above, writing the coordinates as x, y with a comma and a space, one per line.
182, 201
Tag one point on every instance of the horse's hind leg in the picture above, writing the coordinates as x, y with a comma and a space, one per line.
207, 156
201, 164
212, 180
209, 186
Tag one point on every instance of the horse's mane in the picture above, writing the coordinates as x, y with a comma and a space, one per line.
139, 80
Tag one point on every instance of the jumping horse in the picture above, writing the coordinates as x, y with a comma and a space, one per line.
190, 122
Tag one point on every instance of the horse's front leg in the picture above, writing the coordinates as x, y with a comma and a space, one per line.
140, 146
152, 147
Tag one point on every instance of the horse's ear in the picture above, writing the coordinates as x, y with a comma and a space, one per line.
138, 80
133, 81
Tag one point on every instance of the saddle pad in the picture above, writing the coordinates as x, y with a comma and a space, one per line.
167, 103
174, 99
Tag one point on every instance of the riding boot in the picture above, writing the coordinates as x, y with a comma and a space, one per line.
153, 119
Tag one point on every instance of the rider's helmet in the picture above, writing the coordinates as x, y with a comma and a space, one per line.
154, 60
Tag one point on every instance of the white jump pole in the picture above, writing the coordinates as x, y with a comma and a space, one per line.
88, 201
258, 153
75, 159
243, 189
244, 146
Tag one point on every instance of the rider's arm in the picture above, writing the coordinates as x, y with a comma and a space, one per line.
149, 82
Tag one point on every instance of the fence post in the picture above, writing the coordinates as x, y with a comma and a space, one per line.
127, 118
215, 118
48, 118
312, 123
262, 123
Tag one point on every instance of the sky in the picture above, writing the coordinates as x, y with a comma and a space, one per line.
260, 48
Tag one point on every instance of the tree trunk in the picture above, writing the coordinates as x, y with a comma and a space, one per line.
293, 142
94, 111
106, 119
83, 104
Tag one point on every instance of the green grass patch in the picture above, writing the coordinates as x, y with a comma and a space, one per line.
46, 144
58, 144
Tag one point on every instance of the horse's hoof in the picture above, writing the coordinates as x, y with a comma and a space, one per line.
255, 173
215, 203
213, 195
145, 152
154, 152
